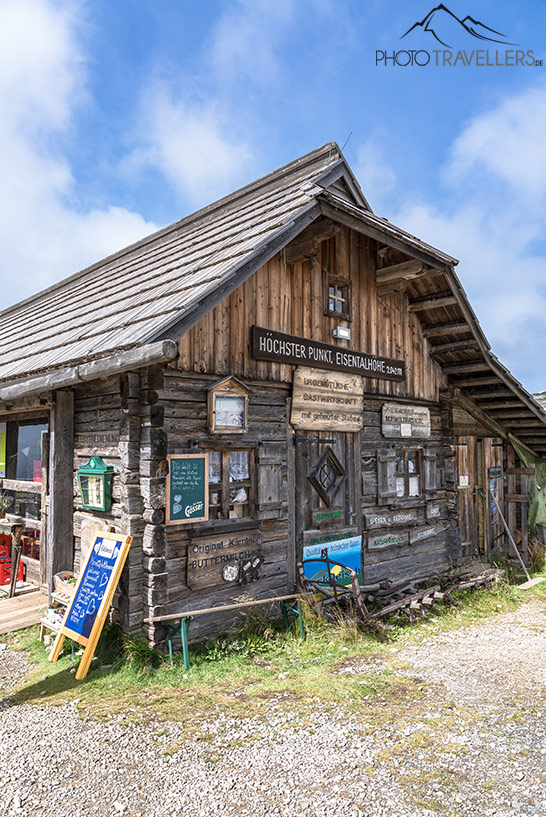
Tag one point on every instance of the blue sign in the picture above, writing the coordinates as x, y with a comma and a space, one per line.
92, 587
347, 551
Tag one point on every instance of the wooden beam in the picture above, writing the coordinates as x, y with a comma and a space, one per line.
20, 485
432, 303
506, 405
160, 352
464, 368
307, 244
453, 328
532, 421
453, 346
404, 270
462, 383
60, 552
479, 415
371, 226
521, 412
491, 394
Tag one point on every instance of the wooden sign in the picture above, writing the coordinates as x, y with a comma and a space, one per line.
399, 420
389, 519
325, 401
320, 537
435, 510
95, 588
280, 348
214, 560
96, 438
420, 534
187, 488
378, 541
326, 517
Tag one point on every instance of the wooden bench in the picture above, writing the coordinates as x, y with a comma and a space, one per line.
185, 619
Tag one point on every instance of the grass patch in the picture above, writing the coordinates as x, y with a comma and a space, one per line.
252, 671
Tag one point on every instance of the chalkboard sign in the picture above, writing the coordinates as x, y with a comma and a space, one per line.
187, 488
86, 613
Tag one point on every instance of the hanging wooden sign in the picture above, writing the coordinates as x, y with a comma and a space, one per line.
400, 420
214, 560
378, 541
418, 535
95, 588
280, 348
390, 519
327, 517
326, 401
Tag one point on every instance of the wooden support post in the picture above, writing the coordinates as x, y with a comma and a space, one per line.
16, 531
60, 535
44, 510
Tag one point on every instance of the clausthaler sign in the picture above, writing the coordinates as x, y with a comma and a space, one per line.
441, 39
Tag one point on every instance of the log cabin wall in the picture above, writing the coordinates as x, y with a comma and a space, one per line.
107, 423
184, 399
288, 296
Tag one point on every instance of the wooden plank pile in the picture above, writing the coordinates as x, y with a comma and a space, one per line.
369, 604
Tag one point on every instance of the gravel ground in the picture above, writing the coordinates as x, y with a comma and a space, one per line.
461, 732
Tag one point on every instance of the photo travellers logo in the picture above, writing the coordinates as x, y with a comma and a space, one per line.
467, 42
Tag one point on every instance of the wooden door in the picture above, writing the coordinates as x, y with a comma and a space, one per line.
493, 485
328, 497
465, 448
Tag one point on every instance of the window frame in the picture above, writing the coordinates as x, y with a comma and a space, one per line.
332, 279
407, 474
229, 388
225, 486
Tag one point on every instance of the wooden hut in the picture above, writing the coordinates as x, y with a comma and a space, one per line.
327, 362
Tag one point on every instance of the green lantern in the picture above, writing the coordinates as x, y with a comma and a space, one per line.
95, 481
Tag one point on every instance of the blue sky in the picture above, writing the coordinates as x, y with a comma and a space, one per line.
122, 116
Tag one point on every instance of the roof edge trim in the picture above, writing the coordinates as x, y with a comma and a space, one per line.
160, 352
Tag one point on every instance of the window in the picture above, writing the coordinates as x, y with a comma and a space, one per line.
230, 484
21, 449
337, 296
327, 476
408, 473
227, 404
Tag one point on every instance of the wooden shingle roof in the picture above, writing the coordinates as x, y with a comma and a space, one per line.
130, 297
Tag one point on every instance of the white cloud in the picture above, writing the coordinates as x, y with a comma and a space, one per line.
494, 213
194, 145
374, 173
246, 38
507, 141
43, 235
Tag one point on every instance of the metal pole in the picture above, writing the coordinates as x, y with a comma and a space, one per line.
506, 528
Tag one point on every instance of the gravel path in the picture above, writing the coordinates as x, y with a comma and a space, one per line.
461, 732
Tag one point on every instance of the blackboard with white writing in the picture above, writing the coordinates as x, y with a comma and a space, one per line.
187, 488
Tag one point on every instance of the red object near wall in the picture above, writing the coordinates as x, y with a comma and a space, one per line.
5, 546
5, 571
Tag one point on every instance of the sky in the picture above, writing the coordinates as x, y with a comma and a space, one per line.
121, 116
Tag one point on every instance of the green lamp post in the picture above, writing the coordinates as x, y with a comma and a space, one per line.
95, 481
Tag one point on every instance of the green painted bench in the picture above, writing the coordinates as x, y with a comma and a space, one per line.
174, 621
